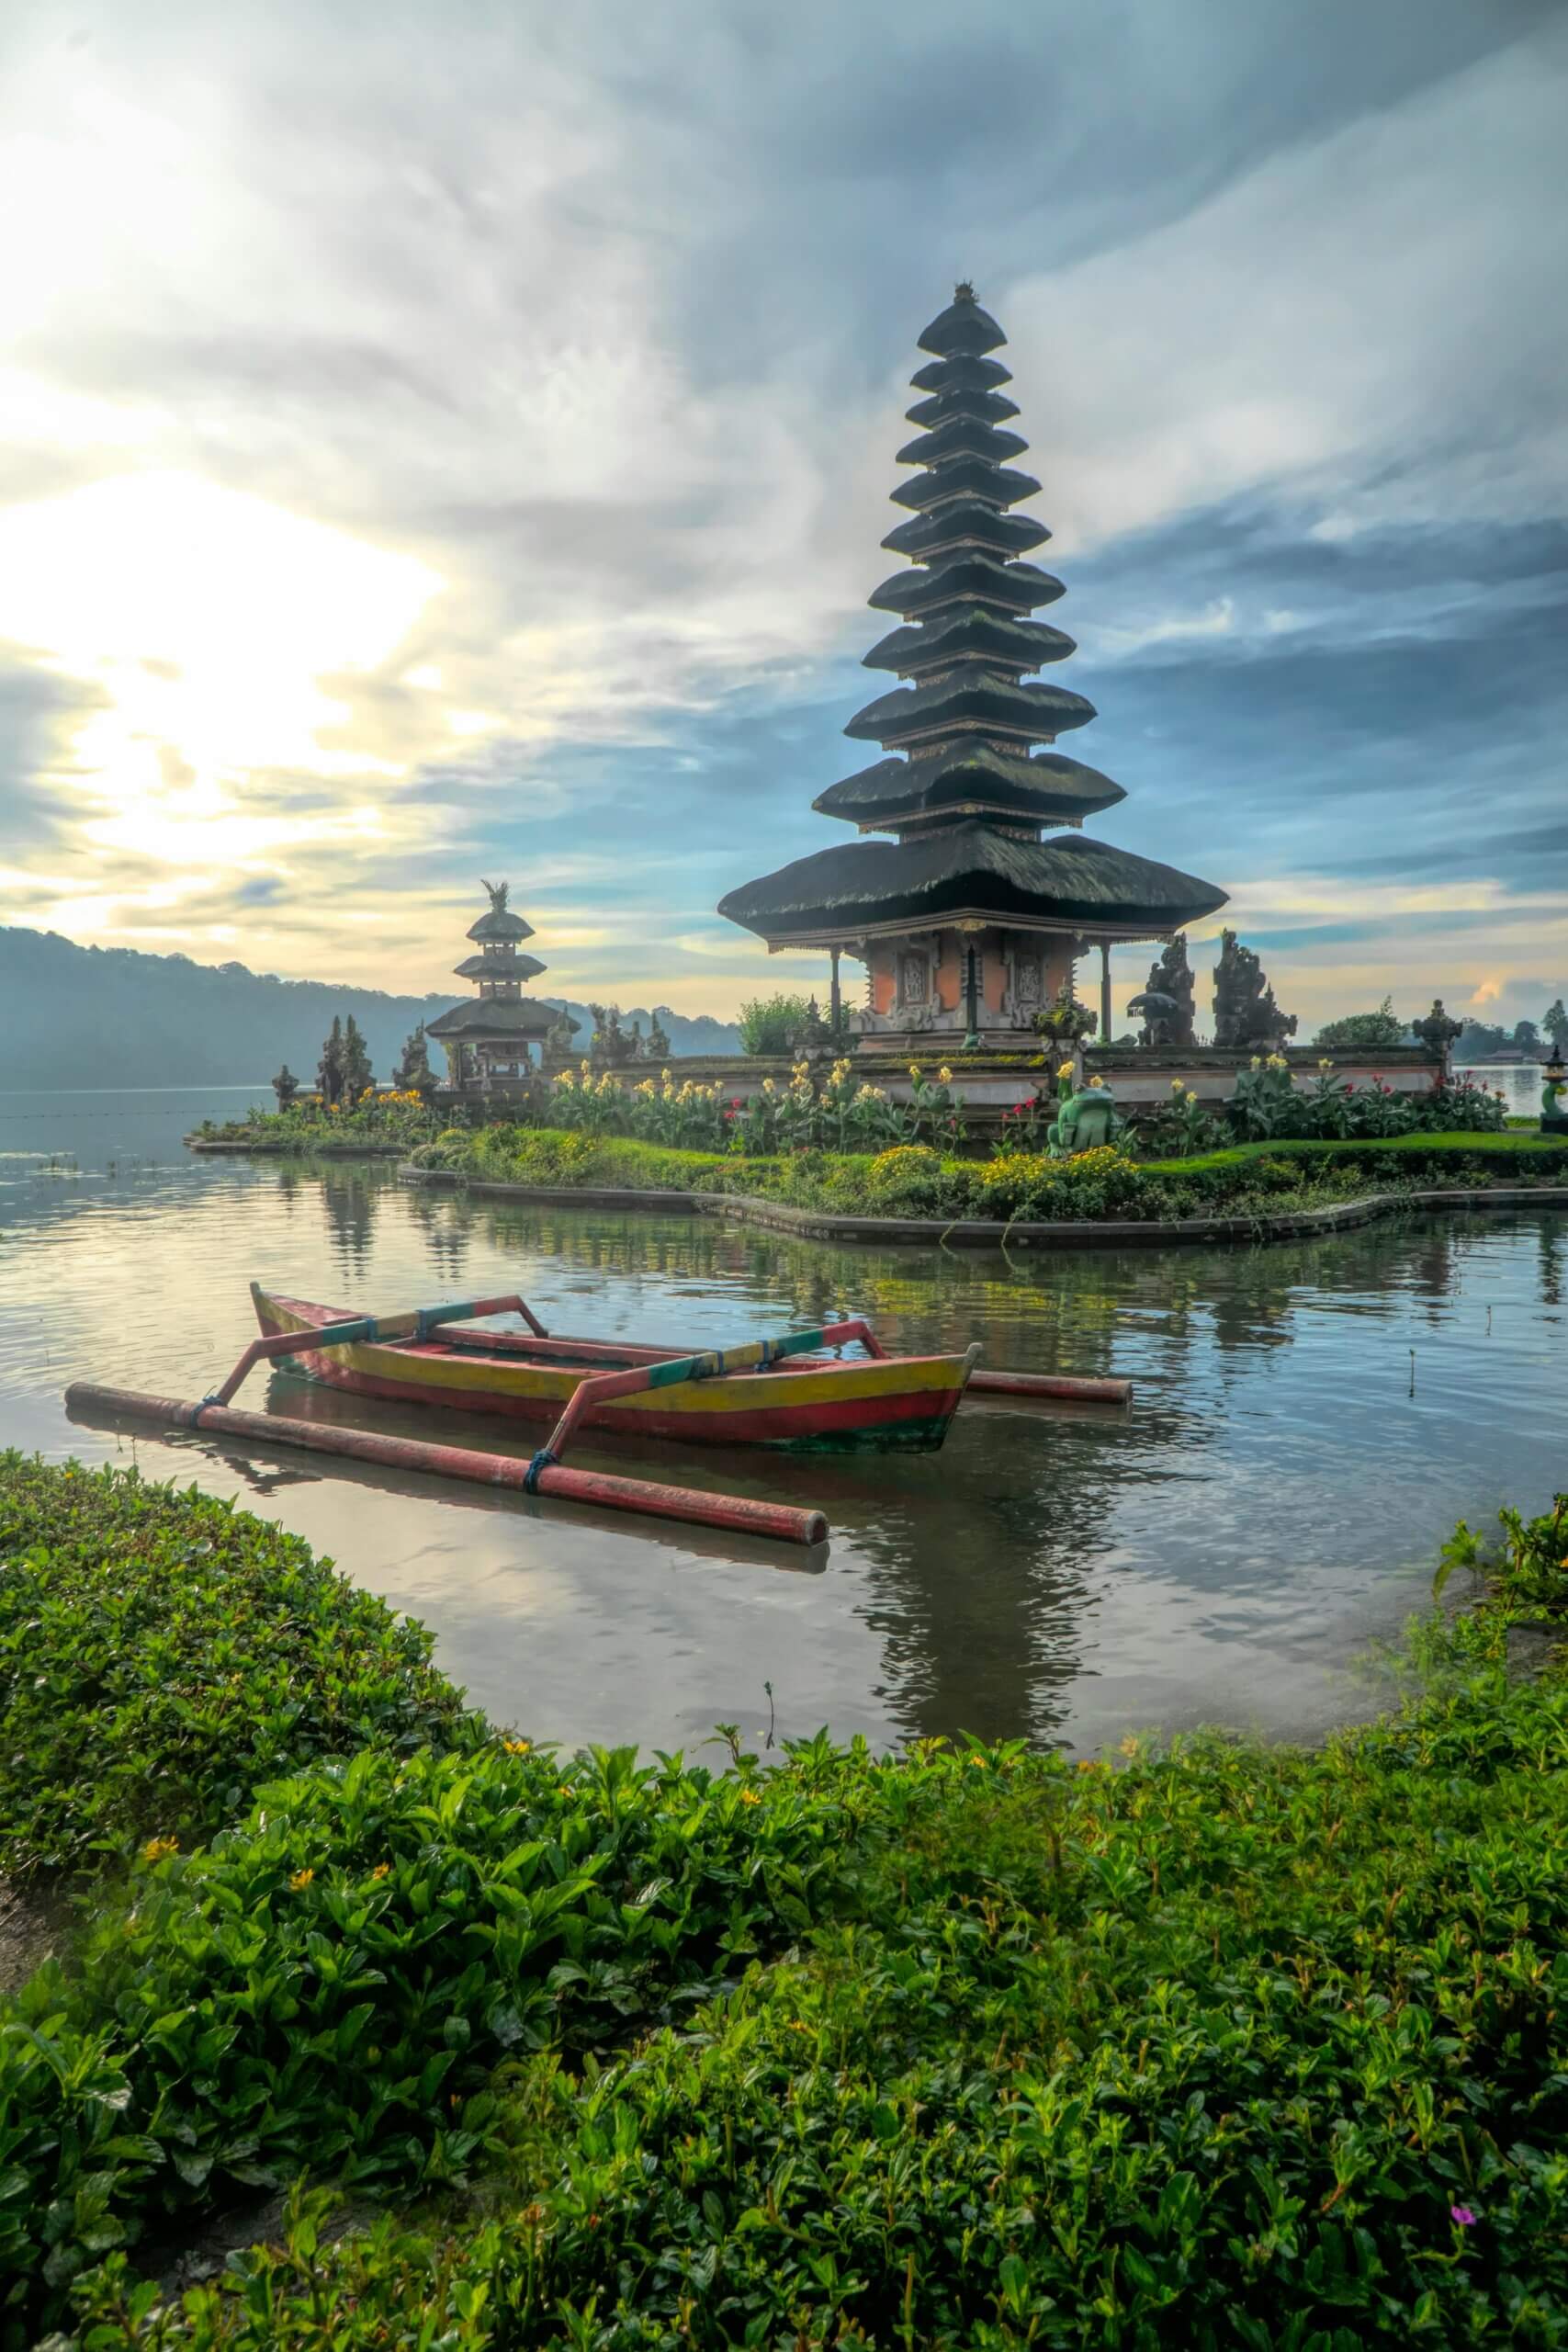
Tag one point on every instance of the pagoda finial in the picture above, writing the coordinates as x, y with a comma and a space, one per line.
496, 895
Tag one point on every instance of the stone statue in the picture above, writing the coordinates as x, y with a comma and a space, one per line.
1166, 1003
1065, 1020
1086, 1118
1437, 1032
1246, 1015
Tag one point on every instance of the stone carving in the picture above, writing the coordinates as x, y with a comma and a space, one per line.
1166, 1003
1246, 1015
1437, 1032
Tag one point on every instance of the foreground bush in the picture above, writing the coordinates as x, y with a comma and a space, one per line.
1222, 2044
162, 1654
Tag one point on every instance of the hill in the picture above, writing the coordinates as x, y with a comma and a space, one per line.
114, 1016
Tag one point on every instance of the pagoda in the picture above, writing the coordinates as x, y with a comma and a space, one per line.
490, 1038
971, 919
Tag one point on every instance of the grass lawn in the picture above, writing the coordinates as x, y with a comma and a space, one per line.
1206, 2044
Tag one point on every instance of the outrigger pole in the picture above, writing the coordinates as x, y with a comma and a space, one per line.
545, 1475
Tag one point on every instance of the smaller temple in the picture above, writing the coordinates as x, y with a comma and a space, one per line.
490, 1039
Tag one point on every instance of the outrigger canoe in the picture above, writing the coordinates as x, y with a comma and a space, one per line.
802, 1401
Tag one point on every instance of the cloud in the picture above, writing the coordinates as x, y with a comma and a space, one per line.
471, 440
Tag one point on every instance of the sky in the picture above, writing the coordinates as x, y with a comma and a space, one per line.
446, 442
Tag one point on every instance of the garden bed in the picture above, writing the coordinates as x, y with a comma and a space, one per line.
1249, 1192
1208, 2044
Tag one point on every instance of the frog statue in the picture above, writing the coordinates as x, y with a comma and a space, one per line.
1086, 1118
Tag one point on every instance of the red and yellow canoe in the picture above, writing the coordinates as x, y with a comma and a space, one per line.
805, 1403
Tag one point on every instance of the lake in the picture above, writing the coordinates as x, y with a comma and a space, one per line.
1309, 1420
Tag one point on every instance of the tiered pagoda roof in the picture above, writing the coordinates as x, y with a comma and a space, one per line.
500, 1012
964, 788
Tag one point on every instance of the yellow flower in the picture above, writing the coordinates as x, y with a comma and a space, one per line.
382, 1870
517, 1747
301, 1879
751, 1796
158, 1849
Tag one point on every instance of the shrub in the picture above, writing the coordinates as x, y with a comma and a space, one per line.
161, 1653
771, 1024
1369, 1030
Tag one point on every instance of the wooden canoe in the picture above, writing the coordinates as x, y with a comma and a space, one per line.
812, 1404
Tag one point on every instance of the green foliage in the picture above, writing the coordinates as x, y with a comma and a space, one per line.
162, 1654
1371, 1030
1217, 2044
772, 1024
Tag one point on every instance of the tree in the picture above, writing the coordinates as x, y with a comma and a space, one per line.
329, 1069
285, 1086
356, 1072
1555, 1024
1382, 1027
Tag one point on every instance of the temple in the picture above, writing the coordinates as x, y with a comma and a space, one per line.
972, 917
490, 1039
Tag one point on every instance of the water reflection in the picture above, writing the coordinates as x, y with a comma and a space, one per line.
1273, 1497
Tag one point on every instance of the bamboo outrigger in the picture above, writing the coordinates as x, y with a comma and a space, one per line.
785, 1392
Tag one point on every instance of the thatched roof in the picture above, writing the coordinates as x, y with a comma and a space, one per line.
970, 870
971, 699
969, 633
962, 329
1010, 587
491, 968
502, 1017
965, 477
962, 437
965, 522
1046, 789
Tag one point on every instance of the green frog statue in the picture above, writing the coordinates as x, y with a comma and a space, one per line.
1087, 1116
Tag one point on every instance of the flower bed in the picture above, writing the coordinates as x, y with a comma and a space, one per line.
918, 1181
1210, 2044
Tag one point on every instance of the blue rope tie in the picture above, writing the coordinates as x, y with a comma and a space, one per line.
543, 1460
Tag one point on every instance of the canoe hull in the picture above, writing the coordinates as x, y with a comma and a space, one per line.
813, 1405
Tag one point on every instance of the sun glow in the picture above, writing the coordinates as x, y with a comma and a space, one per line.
208, 620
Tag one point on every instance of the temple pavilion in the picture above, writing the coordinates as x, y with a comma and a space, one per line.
971, 917
492, 1036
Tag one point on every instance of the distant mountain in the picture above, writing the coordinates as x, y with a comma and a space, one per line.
113, 1016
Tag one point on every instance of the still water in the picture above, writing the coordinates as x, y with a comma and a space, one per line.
1309, 1420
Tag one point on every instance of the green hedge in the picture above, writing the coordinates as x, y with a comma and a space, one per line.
161, 1655
1214, 2044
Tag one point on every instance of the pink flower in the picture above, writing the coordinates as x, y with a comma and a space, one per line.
1462, 2217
